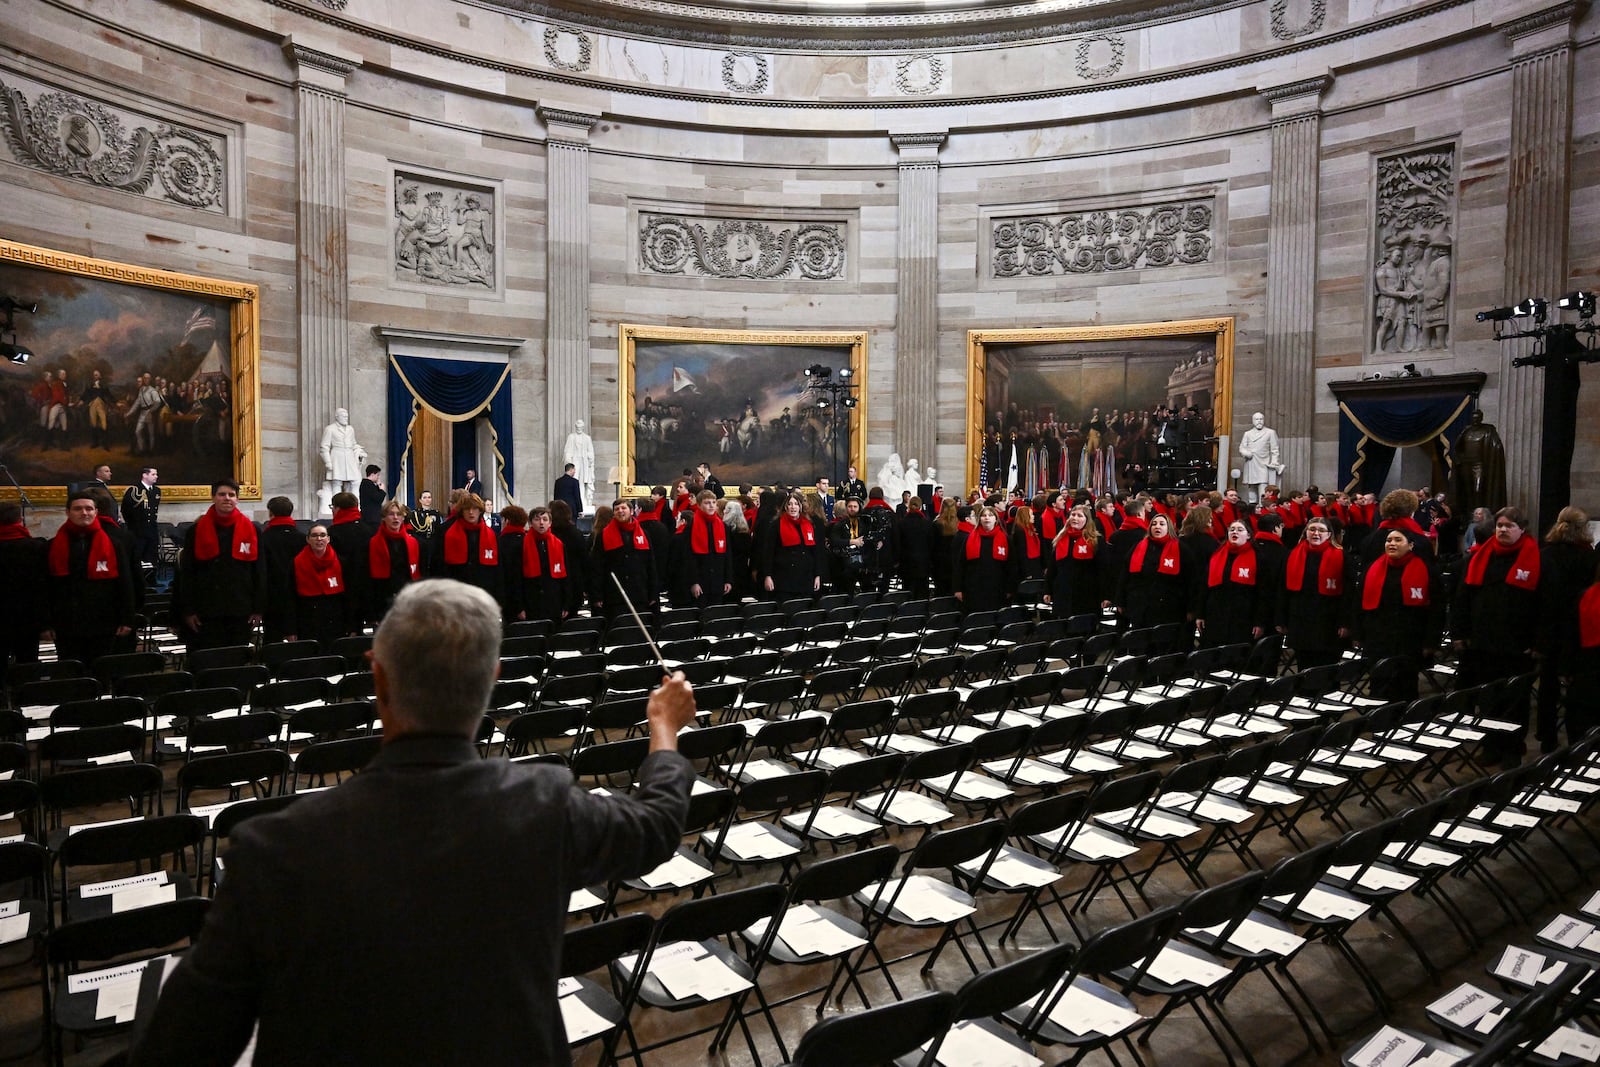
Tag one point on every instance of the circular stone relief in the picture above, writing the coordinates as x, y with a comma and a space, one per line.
1100, 56
566, 50
918, 75
745, 72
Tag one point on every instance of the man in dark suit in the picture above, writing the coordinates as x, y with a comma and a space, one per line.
568, 489
351, 928
471, 484
372, 497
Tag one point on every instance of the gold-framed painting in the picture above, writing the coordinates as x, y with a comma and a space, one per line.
129, 367
741, 401
1106, 408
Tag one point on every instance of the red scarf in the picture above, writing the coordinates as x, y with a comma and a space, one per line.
1414, 592
706, 531
510, 528
1106, 528
532, 568
1000, 548
1330, 568
102, 564
1170, 560
965, 526
1524, 570
1271, 538
1243, 569
682, 504
455, 543
318, 577
1134, 522
1073, 543
378, 553
1049, 524
342, 516
241, 537
1589, 617
792, 532
611, 536
656, 512
1030, 541
280, 520
13, 531
1408, 524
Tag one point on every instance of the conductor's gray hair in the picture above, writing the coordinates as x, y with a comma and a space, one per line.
439, 647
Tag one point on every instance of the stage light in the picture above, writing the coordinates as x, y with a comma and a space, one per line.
817, 370
851, 401
1533, 307
846, 372
1497, 314
1580, 301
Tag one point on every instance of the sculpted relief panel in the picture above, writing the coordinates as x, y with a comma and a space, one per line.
741, 248
1413, 273
73, 136
446, 232
1105, 240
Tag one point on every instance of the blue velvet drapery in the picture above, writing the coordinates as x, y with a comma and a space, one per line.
1370, 430
458, 391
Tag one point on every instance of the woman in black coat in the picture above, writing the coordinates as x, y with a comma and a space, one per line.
1402, 610
943, 537
1568, 567
1076, 566
1313, 611
394, 560
984, 577
1238, 602
740, 547
1160, 584
1027, 546
791, 554
321, 596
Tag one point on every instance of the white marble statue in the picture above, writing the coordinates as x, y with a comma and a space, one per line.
1259, 447
891, 477
579, 451
913, 478
929, 478
343, 457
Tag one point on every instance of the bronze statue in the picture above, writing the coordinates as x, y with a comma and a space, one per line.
1478, 476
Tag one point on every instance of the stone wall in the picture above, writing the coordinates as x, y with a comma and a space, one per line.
463, 101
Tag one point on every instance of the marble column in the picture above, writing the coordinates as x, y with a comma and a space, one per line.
567, 280
1537, 202
916, 378
1290, 388
322, 272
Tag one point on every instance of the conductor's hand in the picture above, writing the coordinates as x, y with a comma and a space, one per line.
670, 709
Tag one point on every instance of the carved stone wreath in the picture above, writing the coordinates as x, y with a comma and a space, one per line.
1096, 242
903, 67
730, 69
1313, 23
1119, 49
73, 137
740, 248
552, 50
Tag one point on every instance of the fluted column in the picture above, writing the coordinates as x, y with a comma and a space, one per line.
322, 271
1290, 393
566, 275
1537, 200
916, 378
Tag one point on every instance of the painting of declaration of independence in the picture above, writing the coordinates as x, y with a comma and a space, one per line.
1089, 409
739, 401
125, 374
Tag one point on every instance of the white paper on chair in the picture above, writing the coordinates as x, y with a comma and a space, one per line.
142, 897
1254, 936
923, 903
679, 870
1437, 1058
1566, 931
1422, 855
1570, 1041
969, 1045
1081, 1011
209, 812
1097, 844
10, 907
1326, 905
1465, 1004
840, 822
1012, 871
582, 900
119, 885
1592, 907
1388, 1048
1378, 879
14, 928
1175, 968
117, 988
755, 841
689, 975
579, 1020
96, 825
762, 769
1520, 965
807, 929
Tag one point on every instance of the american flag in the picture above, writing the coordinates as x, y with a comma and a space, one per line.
983, 464
200, 322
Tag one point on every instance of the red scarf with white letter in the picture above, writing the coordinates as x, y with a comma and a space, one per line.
1524, 572
455, 543
210, 528
318, 577
1171, 562
531, 567
1235, 563
1414, 592
102, 554
976, 538
378, 553
707, 535
1330, 568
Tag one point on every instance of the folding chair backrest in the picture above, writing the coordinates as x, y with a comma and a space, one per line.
309, 667
1296, 875
235, 730
245, 677
148, 839
345, 756
840, 876
90, 742
714, 916
863, 775
1002, 988
878, 1035
1228, 903
226, 770
193, 702
138, 783
789, 792
285, 695
860, 717
328, 721
50, 692
610, 759
1130, 944
946, 848
142, 930
1047, 814
937, 763
113, 711
1194, 776
1124, 792
122, 664
589, 948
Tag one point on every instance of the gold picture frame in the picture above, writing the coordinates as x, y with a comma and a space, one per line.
709, 379
1099, 340
123, 321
